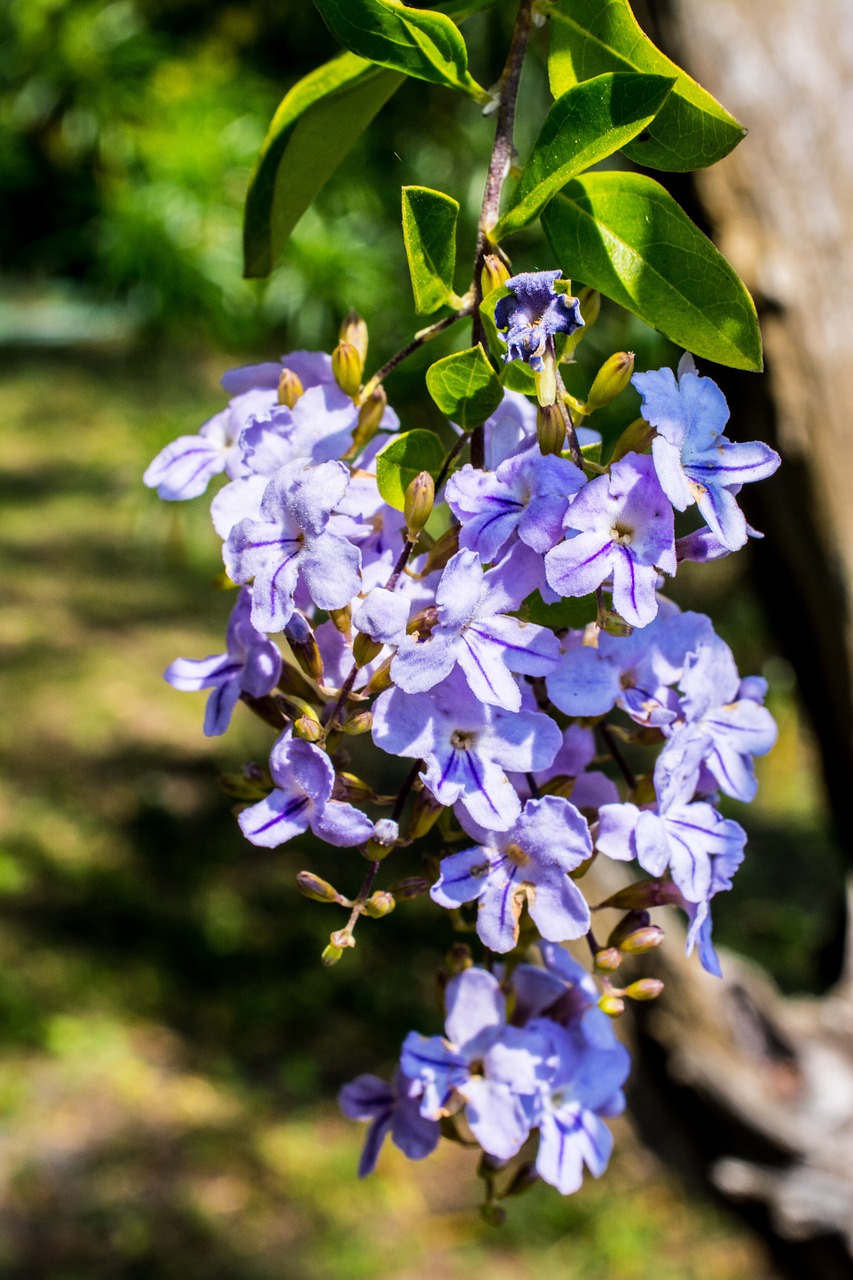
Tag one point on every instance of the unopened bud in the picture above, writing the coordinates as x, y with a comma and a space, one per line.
354, 331
494, 274
311, 886
290, 388
364, 649
607, 960
636, 438
362, 722
369, 419
342, 618
386, 833
331, 955
342, 938
611, 380
307, 729
613, 1006
410, 887
642, 940
550, 429
418, 503
347, 366
627, 925
645, 893
300, 637
349, 787
590, 306
380, 680
425, 813
644, 989
423, 621
441, 551
613, 624
546, 380
379, 904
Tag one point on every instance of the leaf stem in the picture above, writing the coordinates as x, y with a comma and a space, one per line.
417, 341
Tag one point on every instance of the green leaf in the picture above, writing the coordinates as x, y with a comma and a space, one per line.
586, 124
417, 42
625, 236
571, 612
589, 37
403, 458
465, 387
518, 376
314, 129
429, 233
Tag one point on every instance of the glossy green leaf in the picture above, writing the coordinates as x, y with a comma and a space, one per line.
586, 124
314, 129
417, 42
404, 457
589, 37
465, 387
624, 235
429, 234
571, 612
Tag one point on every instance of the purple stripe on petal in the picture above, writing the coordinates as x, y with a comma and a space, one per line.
295, 806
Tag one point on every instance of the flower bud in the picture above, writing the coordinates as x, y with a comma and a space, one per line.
607, 960
425, 813
550, 429
354, 331
369, 418
645, 893
342, 618
331, 955
642, 941
493, 276
308, 729
349, 787
347, 366
613, 624
636, 438
627, 925
546, 380
380, 680
423, 621
361, 722
418, 504
644, 989
311, 886
342, 938
611, 1005
364, 649
379, 904
410, 887
441, 551
386, 833
611, 380
290, 388
300, 637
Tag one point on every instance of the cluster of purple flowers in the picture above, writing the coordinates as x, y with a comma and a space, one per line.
437, 657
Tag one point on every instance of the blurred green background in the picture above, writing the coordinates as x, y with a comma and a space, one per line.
169, 1045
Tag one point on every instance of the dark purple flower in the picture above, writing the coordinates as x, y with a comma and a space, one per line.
389, 1109
534, 314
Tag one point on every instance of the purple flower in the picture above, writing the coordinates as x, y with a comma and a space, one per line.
528, 494
186, 466
683, 836
730, 722
312, 368
624, 527
466, 745
382, 615
723, 868
528, 863
304, 779
694, 460
474, 630
251, 665
534, 314
319, 427
389, 1109
292, 539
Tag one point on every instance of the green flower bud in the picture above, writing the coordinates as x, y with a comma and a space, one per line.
642, 941
342, 938
611, 380
362, 722
546, 380
636, 438
410, 887
607, 960
644, 989
308, 729
311, 886
590, 305
612, 1005
645, 893
349, 787
354, 331
627, 925
380, 680
613, 623
331, 955
342, 618
550, 429
364, 649
369, 418
443, 548
290, 388
418, 503
347, 366
425, 813
494, 274
379, 904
